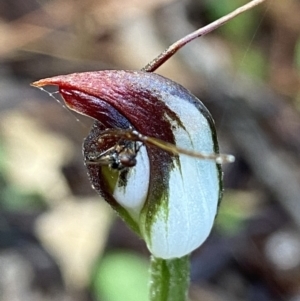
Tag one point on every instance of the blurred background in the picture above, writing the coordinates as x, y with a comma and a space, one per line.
58, 239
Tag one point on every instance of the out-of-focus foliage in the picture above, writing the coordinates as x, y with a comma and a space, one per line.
128, 273
241, 28
12, 197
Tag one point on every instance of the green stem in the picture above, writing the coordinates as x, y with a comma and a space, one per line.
169, 279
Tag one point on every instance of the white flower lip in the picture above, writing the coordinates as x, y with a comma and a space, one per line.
184, 223
133, 196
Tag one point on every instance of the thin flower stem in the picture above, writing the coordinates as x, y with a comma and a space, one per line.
171, 50
169, 279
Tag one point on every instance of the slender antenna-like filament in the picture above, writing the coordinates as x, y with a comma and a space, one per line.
166, 146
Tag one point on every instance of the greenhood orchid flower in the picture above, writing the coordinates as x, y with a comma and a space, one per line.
168, 198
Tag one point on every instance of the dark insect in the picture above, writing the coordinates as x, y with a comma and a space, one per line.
120, 156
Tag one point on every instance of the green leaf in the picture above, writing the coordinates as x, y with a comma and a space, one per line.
122, 277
